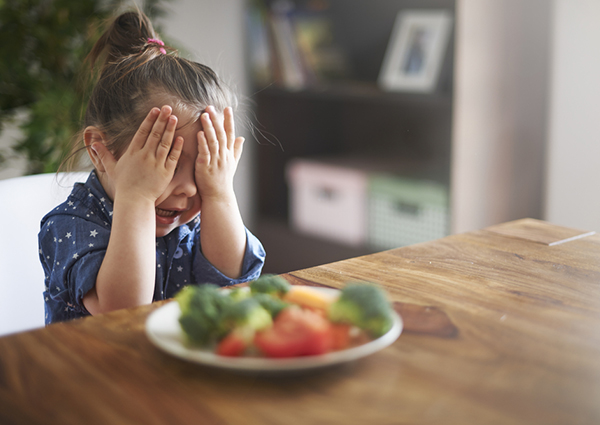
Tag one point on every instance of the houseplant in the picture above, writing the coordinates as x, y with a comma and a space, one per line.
42, 74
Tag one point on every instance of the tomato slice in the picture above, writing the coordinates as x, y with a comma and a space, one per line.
235, 343
340, 336
296, 332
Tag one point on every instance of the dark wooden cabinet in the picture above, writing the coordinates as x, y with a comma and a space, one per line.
408, 134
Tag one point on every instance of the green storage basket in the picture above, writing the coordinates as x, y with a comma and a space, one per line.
406, 211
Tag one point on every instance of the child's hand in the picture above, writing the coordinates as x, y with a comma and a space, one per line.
223, 236
147, 166
219, 152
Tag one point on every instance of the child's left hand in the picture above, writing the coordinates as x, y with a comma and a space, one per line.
219, 152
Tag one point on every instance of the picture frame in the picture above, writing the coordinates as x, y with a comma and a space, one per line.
416, 50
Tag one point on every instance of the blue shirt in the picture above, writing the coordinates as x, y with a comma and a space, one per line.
73, 240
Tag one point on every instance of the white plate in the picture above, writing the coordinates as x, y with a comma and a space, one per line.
163, 330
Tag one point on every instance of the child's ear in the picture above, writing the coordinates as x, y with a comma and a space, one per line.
93, 135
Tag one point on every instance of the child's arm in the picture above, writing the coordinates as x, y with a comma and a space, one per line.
127, 275
222, 235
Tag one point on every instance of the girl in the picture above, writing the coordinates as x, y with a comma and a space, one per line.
159, 130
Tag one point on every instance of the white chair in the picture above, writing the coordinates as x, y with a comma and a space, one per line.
24, 201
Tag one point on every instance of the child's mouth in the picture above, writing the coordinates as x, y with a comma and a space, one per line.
166, 216
166, 213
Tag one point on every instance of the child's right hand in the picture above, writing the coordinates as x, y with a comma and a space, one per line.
134, 182
147, 166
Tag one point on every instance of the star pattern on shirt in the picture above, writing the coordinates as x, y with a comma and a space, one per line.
174, 264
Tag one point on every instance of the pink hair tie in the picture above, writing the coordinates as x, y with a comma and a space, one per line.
160, 43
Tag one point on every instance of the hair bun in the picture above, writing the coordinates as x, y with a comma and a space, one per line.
127, 35
130, 32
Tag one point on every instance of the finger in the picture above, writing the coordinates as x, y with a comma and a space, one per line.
209, 134
238, 147
164, 147
141, 135
158, 129
217, 123
229, 127
174, 154
204, 155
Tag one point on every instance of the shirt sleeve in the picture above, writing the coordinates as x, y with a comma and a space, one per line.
254, 259
72, 250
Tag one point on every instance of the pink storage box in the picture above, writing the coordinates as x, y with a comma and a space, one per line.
328, 201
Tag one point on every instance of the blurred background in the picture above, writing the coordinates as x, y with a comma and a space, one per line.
349, 150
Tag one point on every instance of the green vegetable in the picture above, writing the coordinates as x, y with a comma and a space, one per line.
271, 304
201, 310
238, 294
365, 306
246, 313
270, 284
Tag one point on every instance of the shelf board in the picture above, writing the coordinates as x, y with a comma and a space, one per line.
360, 91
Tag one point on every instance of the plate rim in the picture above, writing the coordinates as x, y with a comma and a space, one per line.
209, 358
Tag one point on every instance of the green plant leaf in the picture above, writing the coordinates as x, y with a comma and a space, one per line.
44, 45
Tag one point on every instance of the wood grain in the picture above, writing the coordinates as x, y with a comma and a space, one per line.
504, 331
538, 231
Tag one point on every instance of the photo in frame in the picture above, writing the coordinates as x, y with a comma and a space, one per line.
416, 50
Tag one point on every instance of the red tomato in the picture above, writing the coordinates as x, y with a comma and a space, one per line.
340, 336
296, 332
232, 345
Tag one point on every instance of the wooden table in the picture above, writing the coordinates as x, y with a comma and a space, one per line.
502, 326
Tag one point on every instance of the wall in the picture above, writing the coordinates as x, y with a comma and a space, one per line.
14, 166
501, 86
573, 174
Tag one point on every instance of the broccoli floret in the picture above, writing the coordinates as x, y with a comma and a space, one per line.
201, 311
364, 306
270, 284
238, 294
272, 304
246, 313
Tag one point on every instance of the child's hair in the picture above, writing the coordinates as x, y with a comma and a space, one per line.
137, 72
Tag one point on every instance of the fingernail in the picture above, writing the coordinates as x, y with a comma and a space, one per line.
93, 148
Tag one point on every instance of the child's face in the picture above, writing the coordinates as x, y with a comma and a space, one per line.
181, 202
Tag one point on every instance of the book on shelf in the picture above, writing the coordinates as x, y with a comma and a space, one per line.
291, 47
259, 54
293, 71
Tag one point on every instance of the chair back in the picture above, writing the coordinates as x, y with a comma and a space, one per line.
24, 201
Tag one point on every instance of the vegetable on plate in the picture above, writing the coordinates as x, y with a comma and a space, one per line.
274, 319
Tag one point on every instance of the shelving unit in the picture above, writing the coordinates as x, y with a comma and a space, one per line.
349, 120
